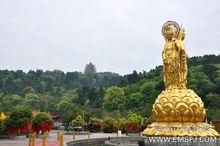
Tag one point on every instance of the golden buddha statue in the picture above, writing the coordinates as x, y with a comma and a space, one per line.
178, 111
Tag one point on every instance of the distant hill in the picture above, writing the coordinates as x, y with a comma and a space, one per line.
55, 91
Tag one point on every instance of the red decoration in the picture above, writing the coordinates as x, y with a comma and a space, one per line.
130, 127
24, 129
44, 127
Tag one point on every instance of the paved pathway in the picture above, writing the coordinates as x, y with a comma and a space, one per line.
51, 140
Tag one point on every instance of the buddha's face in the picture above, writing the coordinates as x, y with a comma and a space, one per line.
169, 35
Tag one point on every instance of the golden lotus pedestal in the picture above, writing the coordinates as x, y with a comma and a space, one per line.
179, 112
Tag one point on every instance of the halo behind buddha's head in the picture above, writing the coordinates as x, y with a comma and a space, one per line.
170, 28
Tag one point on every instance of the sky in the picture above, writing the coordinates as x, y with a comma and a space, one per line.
116, 35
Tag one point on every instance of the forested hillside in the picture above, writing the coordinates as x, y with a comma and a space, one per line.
95, 94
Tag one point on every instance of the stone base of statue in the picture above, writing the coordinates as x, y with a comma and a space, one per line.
179, 112
180, 129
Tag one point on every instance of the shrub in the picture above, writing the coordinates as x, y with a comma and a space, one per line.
134, 122
79, 121
108, 124
2, 127
134, 118
42, 122
95, 125
119, 124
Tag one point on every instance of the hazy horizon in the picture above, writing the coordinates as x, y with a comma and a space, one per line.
117, 36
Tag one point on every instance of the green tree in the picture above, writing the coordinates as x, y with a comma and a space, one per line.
134, 118
64, 106
42, 122
19, 116
213, 114
217, 84
28, 90
69, 108
212, 100
90, 72
2, 127
78, 121
95, 125
32, 100
147, 87
134, 100
114, 99
131, 88
109, 124
210, 70
11, 101
200, 83
133, 78
101, 94
148, 90
119, 123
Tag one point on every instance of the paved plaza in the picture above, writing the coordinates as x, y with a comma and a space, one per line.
51, 140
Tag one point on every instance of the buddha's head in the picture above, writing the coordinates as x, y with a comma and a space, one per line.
170, 30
